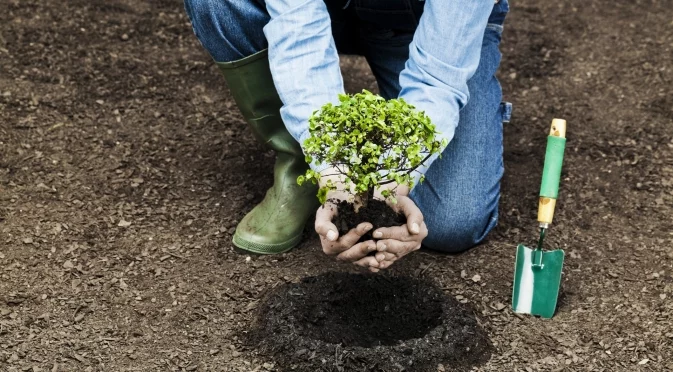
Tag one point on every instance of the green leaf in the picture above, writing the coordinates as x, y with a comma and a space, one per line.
385, 193
322, 195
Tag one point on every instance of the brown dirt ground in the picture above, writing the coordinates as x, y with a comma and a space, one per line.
124, 167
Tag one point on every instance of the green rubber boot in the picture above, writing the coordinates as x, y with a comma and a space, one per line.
276, 224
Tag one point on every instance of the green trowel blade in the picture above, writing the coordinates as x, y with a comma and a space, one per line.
537, 278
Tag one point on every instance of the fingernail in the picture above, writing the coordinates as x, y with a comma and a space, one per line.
383, 248
378, 234
414, 228
331, 235
372, 248
368, 227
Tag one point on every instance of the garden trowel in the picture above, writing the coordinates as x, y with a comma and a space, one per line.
537, 273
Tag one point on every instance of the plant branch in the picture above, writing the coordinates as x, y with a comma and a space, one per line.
407, 171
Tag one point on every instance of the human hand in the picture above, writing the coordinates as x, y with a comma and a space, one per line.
345, 248
395, 242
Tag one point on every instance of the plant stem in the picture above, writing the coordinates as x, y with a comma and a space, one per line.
370, 195
362, 199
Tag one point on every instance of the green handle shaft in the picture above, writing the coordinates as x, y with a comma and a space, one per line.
551, 174
553, 162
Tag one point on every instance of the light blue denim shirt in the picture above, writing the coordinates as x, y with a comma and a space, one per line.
443, 55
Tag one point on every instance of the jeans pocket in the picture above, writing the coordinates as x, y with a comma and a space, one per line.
393, 15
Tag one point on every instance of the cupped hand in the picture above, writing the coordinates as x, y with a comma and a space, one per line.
392, 243
395, 242
346, 247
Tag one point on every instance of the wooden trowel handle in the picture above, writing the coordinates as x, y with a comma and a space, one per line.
551, 174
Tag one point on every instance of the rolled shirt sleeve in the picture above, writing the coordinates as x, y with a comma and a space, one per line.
443, 56
304, 61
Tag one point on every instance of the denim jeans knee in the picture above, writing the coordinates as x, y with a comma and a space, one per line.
453, 229
229, 30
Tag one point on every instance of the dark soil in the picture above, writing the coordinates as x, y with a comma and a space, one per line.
349, 322
357, 310
125, 166
376, 212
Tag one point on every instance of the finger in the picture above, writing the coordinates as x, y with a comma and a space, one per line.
346, 242
355, 234
385, 256
358, 251
398, 248
390, 258
373, 269
323, 222
368, 261
385, 264
423, 233
413, 214
332, 248
400, 233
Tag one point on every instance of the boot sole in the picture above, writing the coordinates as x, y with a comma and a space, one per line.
263, 248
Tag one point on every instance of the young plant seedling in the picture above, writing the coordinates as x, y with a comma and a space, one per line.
370, 142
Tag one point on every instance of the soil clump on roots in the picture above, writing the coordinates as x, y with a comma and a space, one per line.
377, 212
352, 322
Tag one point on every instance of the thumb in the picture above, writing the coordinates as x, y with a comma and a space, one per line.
412, 213
323, 222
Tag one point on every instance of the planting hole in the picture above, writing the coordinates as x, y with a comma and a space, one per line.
367, 310
357, 322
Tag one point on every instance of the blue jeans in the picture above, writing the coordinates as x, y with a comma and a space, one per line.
460, 194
